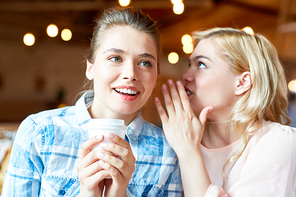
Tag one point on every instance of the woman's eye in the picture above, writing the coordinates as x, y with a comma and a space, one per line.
201, 65
115, 59
146, 63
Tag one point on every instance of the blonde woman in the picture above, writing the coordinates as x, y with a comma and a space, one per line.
226, 122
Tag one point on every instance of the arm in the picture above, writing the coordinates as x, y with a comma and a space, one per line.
23, 175
184, 132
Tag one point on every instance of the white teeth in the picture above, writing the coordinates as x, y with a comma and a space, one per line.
188, 92
126, 91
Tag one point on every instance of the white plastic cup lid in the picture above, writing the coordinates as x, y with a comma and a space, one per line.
106, 123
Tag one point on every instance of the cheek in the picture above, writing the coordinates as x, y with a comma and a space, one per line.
102, 73
148, 79
153, 80
206, 84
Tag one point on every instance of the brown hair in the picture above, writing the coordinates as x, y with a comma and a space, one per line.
130, 16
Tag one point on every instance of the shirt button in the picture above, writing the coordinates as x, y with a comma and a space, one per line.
62, 192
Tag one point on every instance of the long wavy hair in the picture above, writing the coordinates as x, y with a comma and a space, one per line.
267, 97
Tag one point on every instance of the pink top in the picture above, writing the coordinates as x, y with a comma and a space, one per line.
267, 166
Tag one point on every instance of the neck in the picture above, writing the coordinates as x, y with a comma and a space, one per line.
96, 111
218, 135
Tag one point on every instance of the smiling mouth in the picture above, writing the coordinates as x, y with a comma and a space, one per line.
126, 91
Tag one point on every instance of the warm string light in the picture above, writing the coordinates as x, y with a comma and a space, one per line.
178, 6
173, 57
292, 86
29, 39
176, 1
124, 3
187, 43
52, 31
248, 30
66, 34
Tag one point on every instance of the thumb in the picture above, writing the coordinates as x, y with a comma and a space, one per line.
203, 116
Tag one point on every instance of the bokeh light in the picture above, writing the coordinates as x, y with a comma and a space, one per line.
188, 48
248, 30
176, 1
178, 8
66, 34
124, 2
173, 57
52, 30
186, 39
292, 86
29, 39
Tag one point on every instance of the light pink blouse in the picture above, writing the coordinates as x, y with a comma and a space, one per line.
267, 167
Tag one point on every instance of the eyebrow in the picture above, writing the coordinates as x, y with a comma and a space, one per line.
114, 50
145, 55
199, 57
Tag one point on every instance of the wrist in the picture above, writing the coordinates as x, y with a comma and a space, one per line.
118, 192
188, 154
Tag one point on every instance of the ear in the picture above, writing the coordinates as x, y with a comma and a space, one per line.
89, 71
244, 83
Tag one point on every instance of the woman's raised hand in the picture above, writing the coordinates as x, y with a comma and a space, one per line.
181, 126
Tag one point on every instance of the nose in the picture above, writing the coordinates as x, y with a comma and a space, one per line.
129, 72
187, 77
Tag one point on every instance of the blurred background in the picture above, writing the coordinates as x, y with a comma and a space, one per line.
40, 70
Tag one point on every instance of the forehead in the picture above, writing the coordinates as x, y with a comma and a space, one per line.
205, 46
129, 38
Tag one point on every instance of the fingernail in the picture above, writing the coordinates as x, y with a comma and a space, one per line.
103, 145
111, 135
100, 155
178, 83
164, 87
170, 82
156, 99
99, 137
101, 162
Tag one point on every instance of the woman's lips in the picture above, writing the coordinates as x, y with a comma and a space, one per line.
126, 91
188, 92
127, 94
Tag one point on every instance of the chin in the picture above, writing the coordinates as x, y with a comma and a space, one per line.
126, 111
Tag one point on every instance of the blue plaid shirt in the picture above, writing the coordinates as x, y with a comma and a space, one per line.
44, 157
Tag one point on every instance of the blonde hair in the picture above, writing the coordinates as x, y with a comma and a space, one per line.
267, 98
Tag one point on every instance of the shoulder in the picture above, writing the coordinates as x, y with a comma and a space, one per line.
33, 126
277, 132
276, 140
51, 115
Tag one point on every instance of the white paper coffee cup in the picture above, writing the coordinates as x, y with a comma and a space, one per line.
103, 127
